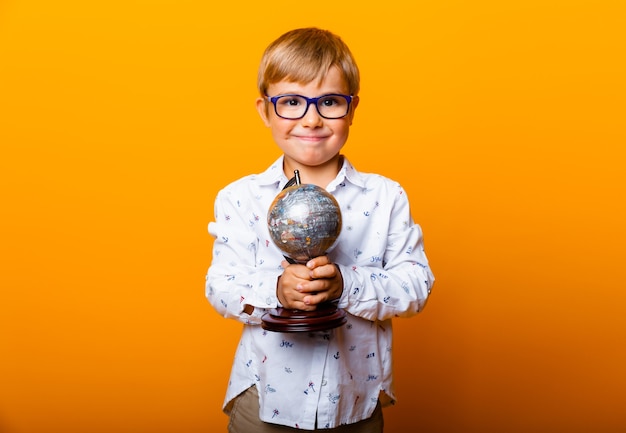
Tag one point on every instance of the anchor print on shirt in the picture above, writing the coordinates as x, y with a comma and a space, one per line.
311, 388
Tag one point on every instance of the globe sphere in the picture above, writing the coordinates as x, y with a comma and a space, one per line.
304, 221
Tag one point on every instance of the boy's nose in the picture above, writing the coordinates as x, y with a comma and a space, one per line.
312, 117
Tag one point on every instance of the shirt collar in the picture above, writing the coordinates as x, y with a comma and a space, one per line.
347, 173
274, 175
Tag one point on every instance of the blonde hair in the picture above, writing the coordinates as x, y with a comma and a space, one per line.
304, 55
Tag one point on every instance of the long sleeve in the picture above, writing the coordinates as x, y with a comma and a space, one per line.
388, 274
238, 275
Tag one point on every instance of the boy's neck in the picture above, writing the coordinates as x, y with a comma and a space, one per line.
320, 175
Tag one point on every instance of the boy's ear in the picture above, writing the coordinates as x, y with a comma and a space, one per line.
261, 107
355, 102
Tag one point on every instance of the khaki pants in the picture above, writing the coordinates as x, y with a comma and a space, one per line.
244, 418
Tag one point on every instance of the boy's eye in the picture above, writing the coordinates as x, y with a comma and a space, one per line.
291, 101
329, 101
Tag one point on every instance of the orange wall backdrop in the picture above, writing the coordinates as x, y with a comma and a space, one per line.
120, 120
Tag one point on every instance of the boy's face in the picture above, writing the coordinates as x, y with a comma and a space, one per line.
312, 140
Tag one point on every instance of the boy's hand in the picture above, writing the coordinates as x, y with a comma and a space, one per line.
304, 287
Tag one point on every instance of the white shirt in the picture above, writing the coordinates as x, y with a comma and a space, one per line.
333, 377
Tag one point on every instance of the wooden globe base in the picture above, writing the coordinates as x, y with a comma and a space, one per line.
286, 320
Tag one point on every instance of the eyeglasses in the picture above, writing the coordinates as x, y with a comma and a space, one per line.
330, 106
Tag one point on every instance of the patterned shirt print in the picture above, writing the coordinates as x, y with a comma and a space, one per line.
327, 378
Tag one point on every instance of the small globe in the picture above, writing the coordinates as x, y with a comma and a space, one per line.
304, 221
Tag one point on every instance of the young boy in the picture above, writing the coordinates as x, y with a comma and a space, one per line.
335, 380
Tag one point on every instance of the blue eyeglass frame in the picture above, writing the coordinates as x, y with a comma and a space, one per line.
310, 101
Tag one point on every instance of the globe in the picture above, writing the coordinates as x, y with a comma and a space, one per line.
304, 221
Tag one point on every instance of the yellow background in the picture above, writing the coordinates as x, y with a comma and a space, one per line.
120, 120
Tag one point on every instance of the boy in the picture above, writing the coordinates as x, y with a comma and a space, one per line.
335, 380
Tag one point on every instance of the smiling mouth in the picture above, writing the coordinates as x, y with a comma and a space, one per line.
310, 137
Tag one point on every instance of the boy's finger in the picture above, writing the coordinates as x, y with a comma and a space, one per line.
317, 262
